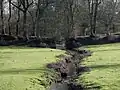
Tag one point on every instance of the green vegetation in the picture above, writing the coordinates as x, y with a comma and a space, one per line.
104, 67
24, 68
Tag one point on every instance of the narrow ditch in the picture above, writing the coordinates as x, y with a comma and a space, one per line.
69, 69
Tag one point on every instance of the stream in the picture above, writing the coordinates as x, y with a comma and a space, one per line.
70, 70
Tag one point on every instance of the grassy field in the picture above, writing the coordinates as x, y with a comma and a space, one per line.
105, 68
24, 68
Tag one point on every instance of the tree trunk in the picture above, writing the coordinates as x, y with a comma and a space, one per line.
34, 30
17, 25
71, 17
107, 29
84, 31
17, 28
113, 28
25, 31
33, 24
33, 27
37, 30
67, 20
2, 19
95, 17
9, 26
91, 8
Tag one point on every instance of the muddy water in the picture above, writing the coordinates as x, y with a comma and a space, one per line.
59, 86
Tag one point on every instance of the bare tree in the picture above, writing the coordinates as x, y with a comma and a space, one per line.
41, 7
93, 9
107, 14
25, 6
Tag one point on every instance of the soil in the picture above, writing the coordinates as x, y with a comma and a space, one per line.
69, 69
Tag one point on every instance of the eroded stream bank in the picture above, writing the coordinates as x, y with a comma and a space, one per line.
69, 70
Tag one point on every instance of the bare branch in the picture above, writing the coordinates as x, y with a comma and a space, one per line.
17, 7
28, 5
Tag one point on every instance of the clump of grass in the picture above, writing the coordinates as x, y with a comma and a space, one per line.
46, 78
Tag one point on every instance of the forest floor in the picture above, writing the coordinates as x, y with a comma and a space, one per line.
104, 66
24, 68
